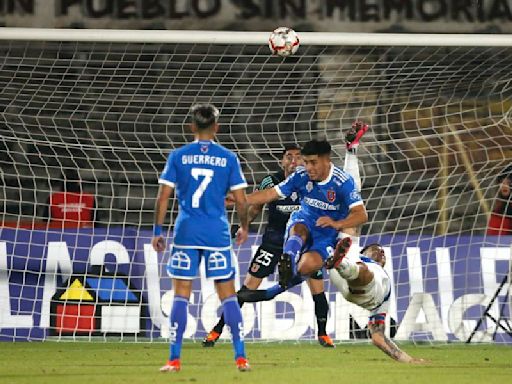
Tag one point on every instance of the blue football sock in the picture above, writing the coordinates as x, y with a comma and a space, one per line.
178, 323
233, 318
292, 247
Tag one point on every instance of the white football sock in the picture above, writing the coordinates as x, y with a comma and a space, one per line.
352, 168
348, 269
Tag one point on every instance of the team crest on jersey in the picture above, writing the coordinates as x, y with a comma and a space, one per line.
294, 196
204, 148
255, 267
331, 195
309, 186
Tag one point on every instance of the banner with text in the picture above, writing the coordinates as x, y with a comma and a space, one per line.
114, 283
319, 15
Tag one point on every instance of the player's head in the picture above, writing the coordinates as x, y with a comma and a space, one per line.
291, 158
204, 118
317, 159
375, 252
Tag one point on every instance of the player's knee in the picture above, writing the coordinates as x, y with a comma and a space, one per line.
308, 266
300, 230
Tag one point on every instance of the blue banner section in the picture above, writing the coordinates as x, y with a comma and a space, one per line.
90, 281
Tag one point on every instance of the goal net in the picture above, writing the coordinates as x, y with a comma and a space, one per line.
74, 106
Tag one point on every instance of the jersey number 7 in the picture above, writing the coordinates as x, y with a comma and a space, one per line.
208, 175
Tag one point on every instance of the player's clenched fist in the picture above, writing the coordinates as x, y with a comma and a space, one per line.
158, 243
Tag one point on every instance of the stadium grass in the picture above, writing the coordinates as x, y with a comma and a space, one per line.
111, 362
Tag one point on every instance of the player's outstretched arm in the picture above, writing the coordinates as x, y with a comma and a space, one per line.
162, 202
381, 341
242, 211
262, 197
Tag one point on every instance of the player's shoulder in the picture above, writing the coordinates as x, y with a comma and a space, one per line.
339, 176
301, 171
184, 149
268, 181
276, 176
223, 151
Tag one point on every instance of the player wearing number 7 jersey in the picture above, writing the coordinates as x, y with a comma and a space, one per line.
202, 173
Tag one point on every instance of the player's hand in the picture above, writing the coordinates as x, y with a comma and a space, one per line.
158, 243
505, 188
241, 236
415, 360
229, 201
325, 222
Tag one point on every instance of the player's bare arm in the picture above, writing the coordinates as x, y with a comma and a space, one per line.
381, 341
242, 210
357, 216
262, 197
161, 205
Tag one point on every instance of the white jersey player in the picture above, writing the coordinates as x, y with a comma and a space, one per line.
362, 280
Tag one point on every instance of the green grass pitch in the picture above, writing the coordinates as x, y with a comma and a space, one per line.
272, 363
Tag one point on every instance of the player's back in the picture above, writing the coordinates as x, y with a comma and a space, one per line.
371, 295
204, 172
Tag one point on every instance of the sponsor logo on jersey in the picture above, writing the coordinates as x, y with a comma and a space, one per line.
255, 267
287, 208
320, 204
331, 195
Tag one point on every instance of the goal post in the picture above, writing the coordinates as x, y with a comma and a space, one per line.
110, 105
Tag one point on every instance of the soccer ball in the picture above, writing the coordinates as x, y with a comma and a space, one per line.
283, 41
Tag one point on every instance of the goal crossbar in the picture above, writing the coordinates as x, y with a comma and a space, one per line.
252, 38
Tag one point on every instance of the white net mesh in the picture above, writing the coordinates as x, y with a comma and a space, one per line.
440, 134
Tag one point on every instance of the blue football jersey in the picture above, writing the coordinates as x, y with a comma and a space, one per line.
202, 173
333, 197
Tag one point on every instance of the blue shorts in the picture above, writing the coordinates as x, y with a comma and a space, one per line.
320, 240
184, 263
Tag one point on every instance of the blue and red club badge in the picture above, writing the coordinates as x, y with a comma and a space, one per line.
331, 195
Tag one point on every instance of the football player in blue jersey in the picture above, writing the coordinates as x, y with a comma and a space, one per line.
267, 256
202, 173
330, 202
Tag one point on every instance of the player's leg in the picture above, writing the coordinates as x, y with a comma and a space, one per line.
178, 323
234, 321
182, 267
219, 267
297, 236
351, 166
310, 262
262, 265
349, 266
316, 286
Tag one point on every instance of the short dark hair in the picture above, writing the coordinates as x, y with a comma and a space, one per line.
204, 115
316, 147
290, 147
506, 173
369, 246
